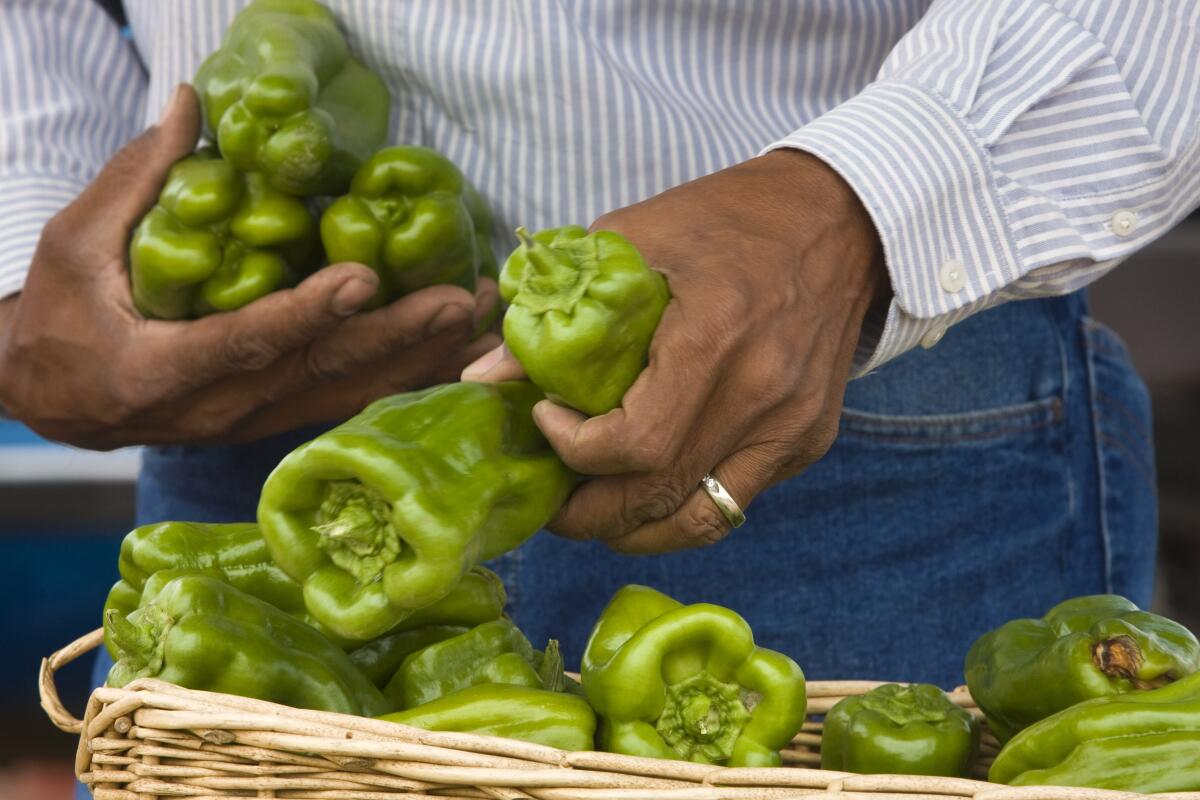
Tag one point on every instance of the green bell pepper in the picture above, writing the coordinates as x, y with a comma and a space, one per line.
494, 652
234, 553
284, 97
582, 311
201, 633
554, 719
1145, 741
410, 215
688, 682
1086, 647
384, 514
380, 658
478, 598
217, 240
481, 218
900, 730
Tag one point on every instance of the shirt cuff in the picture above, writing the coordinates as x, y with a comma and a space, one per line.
925, 180
27, 202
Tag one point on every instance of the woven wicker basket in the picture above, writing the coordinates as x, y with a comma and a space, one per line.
153, 740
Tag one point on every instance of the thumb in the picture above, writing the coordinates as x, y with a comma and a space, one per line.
129, 184
494, 366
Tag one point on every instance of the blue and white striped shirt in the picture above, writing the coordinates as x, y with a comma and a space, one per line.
1005, 149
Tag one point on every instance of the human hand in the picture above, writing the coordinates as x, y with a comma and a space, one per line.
80, 365
772, 265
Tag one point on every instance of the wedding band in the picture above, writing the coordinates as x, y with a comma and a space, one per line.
724, 500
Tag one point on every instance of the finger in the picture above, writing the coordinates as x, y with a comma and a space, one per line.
657, 415
370, 337
497, 365
610, 507
252, 337
602, 509
487, 297
435, 361
699, 522
129, 184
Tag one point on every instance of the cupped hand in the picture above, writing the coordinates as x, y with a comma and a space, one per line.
772, 266
80, 365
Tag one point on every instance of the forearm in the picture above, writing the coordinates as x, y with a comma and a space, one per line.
1017, 148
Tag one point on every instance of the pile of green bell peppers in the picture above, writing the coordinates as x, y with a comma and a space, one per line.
293, 116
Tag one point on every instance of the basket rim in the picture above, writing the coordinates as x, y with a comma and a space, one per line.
149, 716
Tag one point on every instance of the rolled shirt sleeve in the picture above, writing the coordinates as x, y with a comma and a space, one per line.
71, 93
1011, 149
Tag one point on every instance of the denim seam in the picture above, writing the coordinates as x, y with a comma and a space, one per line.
994, 422
1097, 439
1054, 314
898, 438
1123, 410
1134, 460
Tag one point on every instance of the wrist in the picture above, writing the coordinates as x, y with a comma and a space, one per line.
827, 217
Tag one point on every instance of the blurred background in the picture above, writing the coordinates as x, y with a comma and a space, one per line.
63, 513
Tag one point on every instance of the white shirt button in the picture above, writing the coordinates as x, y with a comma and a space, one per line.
933, 337
1123, 223
953, 275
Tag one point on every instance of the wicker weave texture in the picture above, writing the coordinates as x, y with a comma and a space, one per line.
153, 740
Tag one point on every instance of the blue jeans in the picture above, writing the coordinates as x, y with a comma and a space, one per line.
1006, 469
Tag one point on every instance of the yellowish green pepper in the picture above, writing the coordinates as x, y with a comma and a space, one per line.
583, 308
283, 96
1141, 741
411, 216
554, 719
687, 682
384, 514
494, 652
217, 240
202, 633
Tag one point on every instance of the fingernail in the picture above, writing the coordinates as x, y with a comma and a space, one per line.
168, 109
449, 317
482, 365
541, 409
351, 296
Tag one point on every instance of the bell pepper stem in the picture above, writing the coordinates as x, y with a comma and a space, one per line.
131, 640
551, 669
703, 715
353, 524
699, 715
548, 265
357, 532
1120, 657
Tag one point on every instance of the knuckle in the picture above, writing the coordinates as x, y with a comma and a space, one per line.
608, 221
822, 435
703, 524
657, 497
56, 234
323, 364
767, 377
123, 404
247, 353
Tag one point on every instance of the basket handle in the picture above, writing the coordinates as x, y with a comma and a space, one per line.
51, 704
